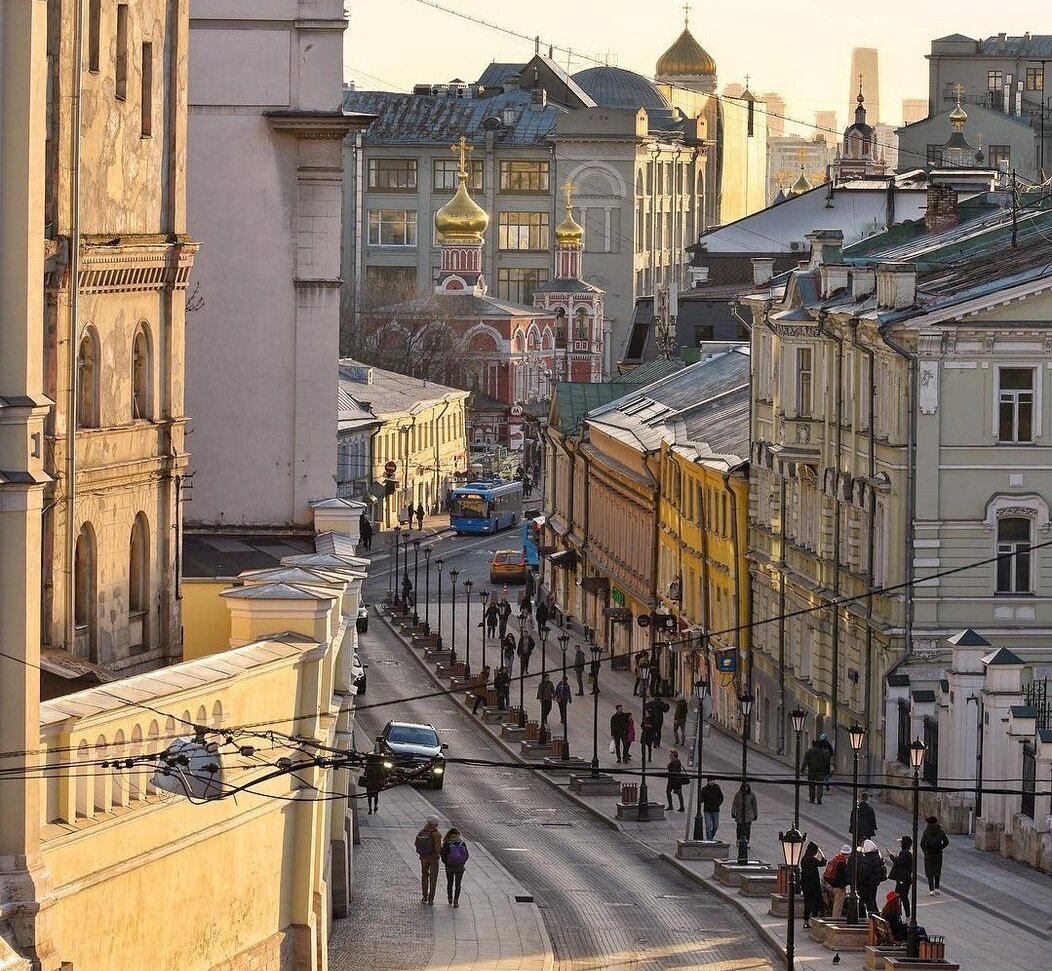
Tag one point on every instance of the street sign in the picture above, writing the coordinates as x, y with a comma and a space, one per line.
390, 468
643, 620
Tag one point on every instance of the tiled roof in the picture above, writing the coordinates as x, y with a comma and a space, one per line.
388, 392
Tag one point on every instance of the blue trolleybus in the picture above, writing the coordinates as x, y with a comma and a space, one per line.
485, 507
531, 539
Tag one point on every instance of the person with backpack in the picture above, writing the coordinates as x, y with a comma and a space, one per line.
826, 746
454, 854
545, 695
374, 778
676, 779
541, 613
744, 811
811, 882
816, 764
711, 800
428, 846
933, 841
836, 877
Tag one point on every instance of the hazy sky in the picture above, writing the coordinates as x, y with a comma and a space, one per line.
800, 49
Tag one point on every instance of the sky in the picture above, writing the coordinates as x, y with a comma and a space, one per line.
801, 50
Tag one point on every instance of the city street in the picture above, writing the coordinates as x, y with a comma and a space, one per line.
607, 901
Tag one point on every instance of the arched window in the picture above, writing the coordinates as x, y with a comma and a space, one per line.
142, 373
88, 380
581, 327
84, 596
139, 584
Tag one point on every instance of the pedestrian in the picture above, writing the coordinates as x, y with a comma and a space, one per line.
578, 668
811, 865
480, 689
407, 590
871, 873
657, 708
454, 854
675, 779
428, 847
933, 841
419, 516
374, 778
836, 876
508, 650
867, 820
530, 584
824, 743
502, 685
365, 532
641, 660
525, 649
892, 912
541, 613
491, 619
816, 764
525, 607
902, 871
711, 800
407, 516
630, 737
646, 736
619, 732
503, 613
679, 721
744, 811
545, 694
563, 697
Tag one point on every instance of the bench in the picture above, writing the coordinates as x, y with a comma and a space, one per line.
880, 934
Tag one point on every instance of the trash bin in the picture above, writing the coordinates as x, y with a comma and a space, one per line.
933, 949
629, 793
782, 883
532, 731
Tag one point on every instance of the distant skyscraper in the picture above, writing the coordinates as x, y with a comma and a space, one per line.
825, 123
864, 62
733, 90
914, 109
775, 114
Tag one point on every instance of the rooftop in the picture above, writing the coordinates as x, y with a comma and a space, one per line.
387, 392
230, 554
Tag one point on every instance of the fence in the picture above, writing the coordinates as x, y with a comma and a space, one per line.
1029, 779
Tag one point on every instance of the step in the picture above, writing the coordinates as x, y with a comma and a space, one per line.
758, 884
437, 657
701, 850
730, 872
589, 785
629, 811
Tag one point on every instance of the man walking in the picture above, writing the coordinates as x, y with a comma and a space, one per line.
541, 613
578, 669
545, 694
480, 691
419, 516
502, 685
619, 732
428, 847
824, 744
563, 697
526, 646
711, 800
656, 708
503, 613
744, 812
679, 721
365, 532
816, 764
867, 820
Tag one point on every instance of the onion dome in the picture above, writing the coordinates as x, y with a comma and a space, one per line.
958, 117
569, 232
801, 185
461, 219
686, 58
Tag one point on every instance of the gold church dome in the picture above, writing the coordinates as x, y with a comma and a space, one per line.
958, 116
801, 185
685, 58
461, 218
569, 232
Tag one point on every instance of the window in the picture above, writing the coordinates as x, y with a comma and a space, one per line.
121, 76
141, 374
147, 90
139, 582
934, 155
524, 176
392, 227
84, 594
1015, 405
523, 231
1013, 544
996, 154
445, 174
704, 332
1035, 79
517, 283
804, 382
392, 174
994, 80
88, 381
581, 327
94, 25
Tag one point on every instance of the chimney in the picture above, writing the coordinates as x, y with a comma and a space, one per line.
833, 277
942, 207
337, 516
896, 286
257, 612
827, 246
762, 270
862, 283
538, 99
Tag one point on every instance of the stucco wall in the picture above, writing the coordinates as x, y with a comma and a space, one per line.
206, 618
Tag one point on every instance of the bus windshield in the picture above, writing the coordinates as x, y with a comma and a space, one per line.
471, 507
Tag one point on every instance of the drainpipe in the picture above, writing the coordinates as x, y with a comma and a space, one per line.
706, 614
436, 450
783, 701
735, 546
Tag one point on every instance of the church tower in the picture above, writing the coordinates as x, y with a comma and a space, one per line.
686, 63
957, 153
859, 155
460, 224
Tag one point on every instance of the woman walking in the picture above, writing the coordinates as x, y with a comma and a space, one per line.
811, 882
676, 778
454, 855
933, 842
902, 872
630, 737
374, 778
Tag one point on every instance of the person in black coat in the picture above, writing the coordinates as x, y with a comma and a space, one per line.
867, 820
374, 778
933, 841
811, 865
676, 779
902, 871
656, 708
871, 873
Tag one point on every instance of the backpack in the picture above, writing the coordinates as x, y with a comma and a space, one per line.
456, 854
425, 844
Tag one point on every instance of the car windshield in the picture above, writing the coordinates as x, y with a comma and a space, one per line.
470, 506
412, 735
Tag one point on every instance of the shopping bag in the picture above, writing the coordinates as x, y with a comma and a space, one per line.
612, 747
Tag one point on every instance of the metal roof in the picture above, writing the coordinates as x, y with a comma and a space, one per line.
388, 392
1031, 45
207, 555
614, 87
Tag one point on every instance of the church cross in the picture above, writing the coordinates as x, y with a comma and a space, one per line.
568, 188
686, 15
958, 89
461, 148
746, 82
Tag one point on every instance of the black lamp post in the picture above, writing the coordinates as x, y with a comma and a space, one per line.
484, 598
917, 752
468, 584
792, 849
644, 796
522, 679
544, 737
597, 653
427, 587
416, 579
745, 704
405, 569
797, 717
857, 734
453, 574
701, 689
397, 573
439, 563
564, 639
392, 569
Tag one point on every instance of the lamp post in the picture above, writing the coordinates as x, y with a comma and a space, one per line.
597, 653
857, 734
797, 717
522, 680
405, 569
917, 752
644, 796
564, 639
484, 598
701, 689
745, 704
392, 570
468, 584
453, 574
544, 736
416, 580
427, 587
792, 849
439, 563
397, 543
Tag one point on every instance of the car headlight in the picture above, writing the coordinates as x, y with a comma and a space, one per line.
438, 770
388, 765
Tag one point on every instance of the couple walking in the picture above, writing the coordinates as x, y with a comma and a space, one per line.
449, 850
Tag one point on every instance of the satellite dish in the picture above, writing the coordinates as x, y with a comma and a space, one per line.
189, 769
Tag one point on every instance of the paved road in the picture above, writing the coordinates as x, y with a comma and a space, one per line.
607, 901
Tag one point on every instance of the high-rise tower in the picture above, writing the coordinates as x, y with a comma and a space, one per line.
864, 62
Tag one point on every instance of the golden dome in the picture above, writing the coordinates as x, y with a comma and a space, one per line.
569, 232
958, 116
461, 219
685, 58
801, 185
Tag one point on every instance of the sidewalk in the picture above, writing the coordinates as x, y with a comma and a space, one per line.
994, 913
383, 539
489, 930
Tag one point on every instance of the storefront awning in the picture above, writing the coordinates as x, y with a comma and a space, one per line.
595, 584
618, 615
564, 559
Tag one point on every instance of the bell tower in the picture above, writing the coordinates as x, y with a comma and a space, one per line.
460, 224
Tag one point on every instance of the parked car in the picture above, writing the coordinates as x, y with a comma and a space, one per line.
415, 751
362, 623
358, 674
508, 566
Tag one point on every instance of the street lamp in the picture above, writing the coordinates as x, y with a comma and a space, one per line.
564, 639
405, 570
797, 717
701, 689
544, 737
644, 797
416, 580
468, 584
522, 679
597, 654
792, 849
484, 598
427, 587
392, 571
745, 704
857, 735
453, 574
917, 752
439, 563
